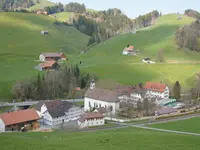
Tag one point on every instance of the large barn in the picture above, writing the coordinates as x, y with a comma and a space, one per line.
52, 56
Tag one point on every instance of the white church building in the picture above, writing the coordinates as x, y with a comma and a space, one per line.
98, 98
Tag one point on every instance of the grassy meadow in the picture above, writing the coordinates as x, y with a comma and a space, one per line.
107, 61
126, 139
21, 43
189, 125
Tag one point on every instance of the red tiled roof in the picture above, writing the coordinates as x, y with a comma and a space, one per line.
19, 116
158, 87
48, 64
91, 115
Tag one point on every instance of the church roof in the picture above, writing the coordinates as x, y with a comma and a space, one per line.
102, 94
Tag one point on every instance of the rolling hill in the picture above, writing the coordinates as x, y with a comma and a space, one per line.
22, 43
116, 139
41, 5
107, 61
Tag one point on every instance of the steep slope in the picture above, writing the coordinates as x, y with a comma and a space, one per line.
21, 44
107, 61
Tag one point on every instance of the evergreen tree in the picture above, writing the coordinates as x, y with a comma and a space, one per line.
176, 91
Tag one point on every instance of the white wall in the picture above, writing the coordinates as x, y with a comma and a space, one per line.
2, 126
99, 103
42, 57
92, 122
47, 118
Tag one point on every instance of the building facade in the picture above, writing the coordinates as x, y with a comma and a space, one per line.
97, 98
91, 119
52, 56
58, 112
155, 89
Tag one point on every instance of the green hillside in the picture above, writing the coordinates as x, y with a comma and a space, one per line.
107, 61
63, 16
41, 5
126, 139
21, 44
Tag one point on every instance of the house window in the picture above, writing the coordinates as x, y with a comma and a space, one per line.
89, 104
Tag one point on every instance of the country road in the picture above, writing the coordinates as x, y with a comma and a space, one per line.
143, 126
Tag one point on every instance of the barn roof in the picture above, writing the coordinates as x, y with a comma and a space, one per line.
19, 116
91, 115
48, 64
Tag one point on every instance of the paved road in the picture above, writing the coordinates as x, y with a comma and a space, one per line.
142, 126
29, 103
164, 130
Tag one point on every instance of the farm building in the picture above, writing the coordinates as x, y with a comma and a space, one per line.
42, 12
91, 119
52, 56
51, 65
58, 112
15, 121
44, 32
165, 111
129, 50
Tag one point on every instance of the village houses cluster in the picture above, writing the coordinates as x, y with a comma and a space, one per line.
98, 104
50, 61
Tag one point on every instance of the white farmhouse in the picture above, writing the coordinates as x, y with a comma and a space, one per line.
97, 98
58, 112
91, 119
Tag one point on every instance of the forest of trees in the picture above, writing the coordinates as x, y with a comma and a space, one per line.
6, 5
75, 7
112, 22
52, 84
54, 9
192, 13
189, 36
147, 19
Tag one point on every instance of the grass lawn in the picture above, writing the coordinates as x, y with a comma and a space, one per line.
22, 43
107, 62
189, 125
126, 139
63, 16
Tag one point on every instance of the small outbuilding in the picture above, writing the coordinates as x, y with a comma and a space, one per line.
91, 119
165, 111
44, 32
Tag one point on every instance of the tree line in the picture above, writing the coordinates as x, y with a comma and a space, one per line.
109, 24
189, 36
52, 84
147, 19
192, 13
7, 5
